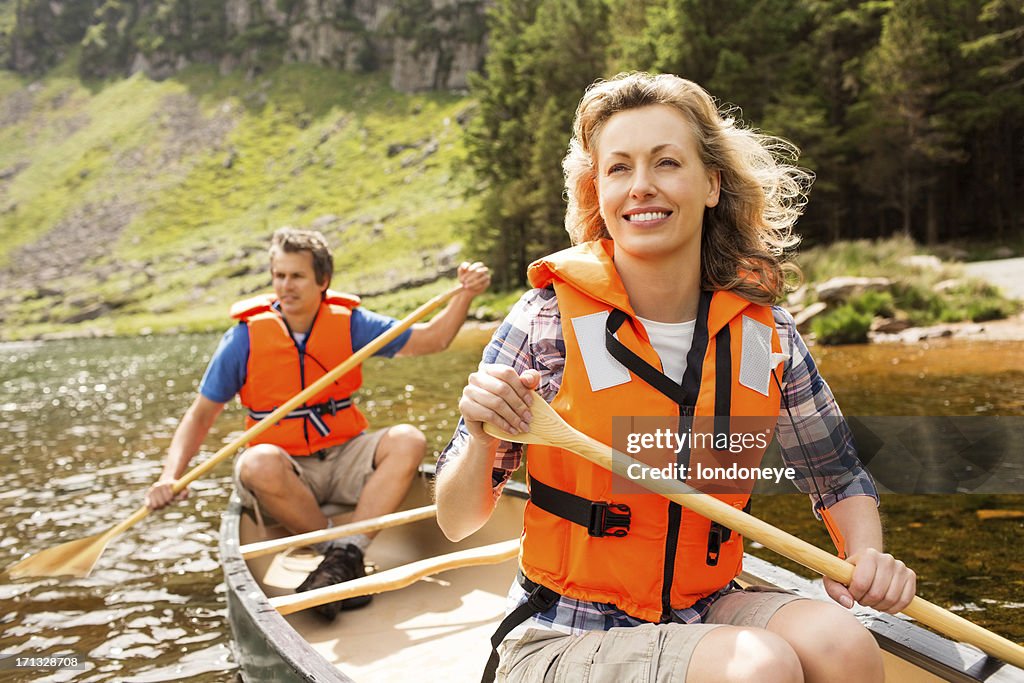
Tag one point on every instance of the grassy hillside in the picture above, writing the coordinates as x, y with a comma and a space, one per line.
137, 204
133, 205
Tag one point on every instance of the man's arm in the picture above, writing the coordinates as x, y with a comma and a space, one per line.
438, 333
187, 440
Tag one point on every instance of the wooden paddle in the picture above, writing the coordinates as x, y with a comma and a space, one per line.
251, 550
77, 558
399, 577
549, 429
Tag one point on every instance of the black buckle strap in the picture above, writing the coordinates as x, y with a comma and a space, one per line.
715, 542
599, 518
717, 536
332, 406
641, 368
541, 600
311, 413
605, 523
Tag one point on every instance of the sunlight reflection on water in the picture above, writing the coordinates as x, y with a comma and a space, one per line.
86, 423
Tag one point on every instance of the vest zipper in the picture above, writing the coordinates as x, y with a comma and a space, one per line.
302, 367
675, 515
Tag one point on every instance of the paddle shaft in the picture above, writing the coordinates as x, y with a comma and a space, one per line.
77, 558
399, 577
288, 406
251, 550
783, 543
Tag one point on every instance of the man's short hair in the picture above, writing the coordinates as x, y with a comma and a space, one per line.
293, 240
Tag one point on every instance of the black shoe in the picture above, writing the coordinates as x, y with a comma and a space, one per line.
339, 565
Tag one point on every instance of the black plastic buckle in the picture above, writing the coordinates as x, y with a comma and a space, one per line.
328, 407
714, 544
602, 519
542, 599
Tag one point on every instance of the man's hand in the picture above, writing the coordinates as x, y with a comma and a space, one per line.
879, 581
475, 277
161, 494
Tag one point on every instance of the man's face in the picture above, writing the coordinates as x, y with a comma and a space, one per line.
295, 283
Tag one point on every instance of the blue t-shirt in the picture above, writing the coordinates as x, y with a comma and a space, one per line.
225, 374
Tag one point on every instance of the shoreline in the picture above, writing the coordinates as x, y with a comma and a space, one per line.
1006, 329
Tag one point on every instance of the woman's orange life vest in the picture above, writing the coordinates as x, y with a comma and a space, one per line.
278, 369
666, 560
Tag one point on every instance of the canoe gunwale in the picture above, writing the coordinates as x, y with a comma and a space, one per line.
280, 653
283, 654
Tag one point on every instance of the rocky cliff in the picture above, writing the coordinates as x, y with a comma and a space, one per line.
422, 44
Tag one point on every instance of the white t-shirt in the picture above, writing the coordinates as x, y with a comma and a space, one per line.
672, 342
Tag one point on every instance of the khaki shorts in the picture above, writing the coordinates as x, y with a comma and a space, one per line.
334, 475
651, 652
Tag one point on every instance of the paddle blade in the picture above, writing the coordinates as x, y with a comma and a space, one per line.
74, 558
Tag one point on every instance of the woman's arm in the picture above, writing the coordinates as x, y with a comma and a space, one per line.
879, 580
816, 440
496, 395
525, 353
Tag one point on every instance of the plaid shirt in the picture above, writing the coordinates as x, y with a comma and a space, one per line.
823, 456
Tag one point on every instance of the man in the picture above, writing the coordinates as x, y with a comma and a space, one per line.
321, 452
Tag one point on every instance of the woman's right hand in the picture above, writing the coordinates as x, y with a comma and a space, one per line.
497, 395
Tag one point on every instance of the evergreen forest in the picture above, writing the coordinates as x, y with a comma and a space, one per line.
910, 113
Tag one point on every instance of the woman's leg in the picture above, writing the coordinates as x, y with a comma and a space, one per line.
831, 644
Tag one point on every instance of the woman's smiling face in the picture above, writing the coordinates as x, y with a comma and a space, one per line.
652, 186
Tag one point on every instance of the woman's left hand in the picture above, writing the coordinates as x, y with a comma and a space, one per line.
879, 581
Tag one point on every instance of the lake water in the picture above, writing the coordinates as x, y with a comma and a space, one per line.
85, 424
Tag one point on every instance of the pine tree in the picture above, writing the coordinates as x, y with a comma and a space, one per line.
543, 54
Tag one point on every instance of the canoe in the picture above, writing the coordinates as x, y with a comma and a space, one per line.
439, 628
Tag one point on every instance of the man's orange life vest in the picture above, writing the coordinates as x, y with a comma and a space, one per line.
669, 557
278, 369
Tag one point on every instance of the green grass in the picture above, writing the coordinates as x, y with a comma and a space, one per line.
204, 167
914, 294
291, 147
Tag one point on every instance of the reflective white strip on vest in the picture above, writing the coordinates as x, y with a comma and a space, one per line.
305, 413
603, 371
756, 356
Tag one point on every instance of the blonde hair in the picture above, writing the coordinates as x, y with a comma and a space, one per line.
762, 193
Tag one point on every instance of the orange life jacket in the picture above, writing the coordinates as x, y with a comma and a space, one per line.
278, 369
670, 557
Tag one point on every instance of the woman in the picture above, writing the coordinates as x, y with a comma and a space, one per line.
679, 218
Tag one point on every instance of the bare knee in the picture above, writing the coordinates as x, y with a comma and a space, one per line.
765, 657
739, 655
831, 644
404, 447
845, 651
264, 468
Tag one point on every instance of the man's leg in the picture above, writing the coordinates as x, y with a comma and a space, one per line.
831, 644
268, 473
384, 478
398, 455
